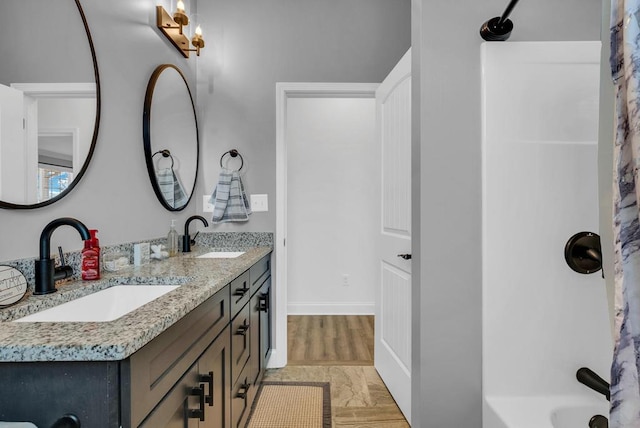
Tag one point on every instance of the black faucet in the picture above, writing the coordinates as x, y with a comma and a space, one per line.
589, 378
186, 239
46, 271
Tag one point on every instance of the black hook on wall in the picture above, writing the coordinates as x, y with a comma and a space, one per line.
499, 29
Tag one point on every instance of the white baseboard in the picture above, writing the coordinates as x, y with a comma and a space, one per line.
354, 308
276, 360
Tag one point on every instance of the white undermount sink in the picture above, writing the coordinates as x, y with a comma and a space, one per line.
104, 305
221, 255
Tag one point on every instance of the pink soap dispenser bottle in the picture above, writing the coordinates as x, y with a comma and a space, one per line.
91, 257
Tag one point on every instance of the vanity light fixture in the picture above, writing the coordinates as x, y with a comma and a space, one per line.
179, 16
172, 26
197, 41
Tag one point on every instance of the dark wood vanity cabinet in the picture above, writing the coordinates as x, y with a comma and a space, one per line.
247, 344
177, 382
176, 361
200, 399
202, 372
233, 364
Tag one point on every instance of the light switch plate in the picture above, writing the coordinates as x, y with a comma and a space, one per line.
259, 203
206, 206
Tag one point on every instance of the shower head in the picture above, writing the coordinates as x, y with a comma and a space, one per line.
496, 30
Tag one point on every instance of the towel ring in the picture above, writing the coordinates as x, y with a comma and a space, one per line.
233, 153
165, 154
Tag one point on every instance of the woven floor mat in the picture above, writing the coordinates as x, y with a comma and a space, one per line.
292, 405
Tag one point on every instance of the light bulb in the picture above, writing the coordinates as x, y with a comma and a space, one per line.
180, 6
199, 31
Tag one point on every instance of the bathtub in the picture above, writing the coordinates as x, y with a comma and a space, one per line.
556, 411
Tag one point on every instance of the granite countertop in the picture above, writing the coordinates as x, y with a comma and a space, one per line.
118, 339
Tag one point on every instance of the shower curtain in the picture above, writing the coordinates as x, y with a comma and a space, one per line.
625, 68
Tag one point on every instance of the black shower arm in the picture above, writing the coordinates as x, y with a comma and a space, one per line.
507, 11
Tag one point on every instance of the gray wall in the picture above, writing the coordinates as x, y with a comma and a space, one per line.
250, 46
447, 192
253, 44
43, 41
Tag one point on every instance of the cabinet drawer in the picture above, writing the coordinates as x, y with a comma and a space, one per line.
241, 400
259, 272
240, 342
240, 292
153, 370
173, 410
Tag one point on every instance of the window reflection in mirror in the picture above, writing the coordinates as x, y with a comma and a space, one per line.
49, 100
55, 164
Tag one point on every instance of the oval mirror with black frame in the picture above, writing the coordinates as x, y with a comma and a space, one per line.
170, 135
49, 101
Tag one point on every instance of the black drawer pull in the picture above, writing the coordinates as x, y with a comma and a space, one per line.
263, 306
242, 330
208, 378
242, 391
242, 291
197, 414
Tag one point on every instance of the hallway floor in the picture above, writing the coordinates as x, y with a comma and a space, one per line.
339, 350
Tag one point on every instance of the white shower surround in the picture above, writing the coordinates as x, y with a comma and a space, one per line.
541, 320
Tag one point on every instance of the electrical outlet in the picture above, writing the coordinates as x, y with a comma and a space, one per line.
206, 206
259, 203
345, 279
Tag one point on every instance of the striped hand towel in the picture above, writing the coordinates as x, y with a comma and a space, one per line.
171, 188
229, 199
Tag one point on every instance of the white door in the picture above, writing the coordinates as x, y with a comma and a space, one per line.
393, 291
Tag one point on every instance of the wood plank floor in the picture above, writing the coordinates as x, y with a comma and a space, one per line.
330, 340
339, 350
359, 398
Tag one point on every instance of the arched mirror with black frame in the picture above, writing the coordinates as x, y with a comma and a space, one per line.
49, 101
170, 136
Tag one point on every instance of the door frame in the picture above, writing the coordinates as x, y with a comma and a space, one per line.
284, 91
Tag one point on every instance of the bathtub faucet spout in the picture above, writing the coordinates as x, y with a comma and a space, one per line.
589, 378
